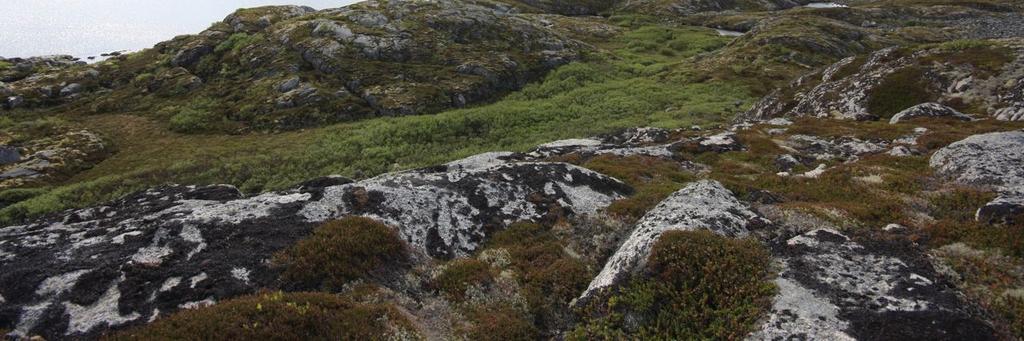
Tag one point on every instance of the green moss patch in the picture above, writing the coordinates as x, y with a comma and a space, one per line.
696, 285
278, 316
654, 179
343, 251
550, 278
898, 91
460, 275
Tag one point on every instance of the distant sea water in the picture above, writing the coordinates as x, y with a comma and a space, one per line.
83, 28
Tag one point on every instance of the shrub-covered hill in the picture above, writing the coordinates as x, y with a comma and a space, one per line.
463, 169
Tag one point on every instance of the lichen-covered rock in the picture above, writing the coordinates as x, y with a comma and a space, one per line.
842, 148
704, 204
645, 141
1004, 208
717, 143
834, 288
994, 159
374, 58
448, 213
895, 81
930, 109
77, 273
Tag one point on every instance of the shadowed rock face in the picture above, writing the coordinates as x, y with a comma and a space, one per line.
161, 250
834, 288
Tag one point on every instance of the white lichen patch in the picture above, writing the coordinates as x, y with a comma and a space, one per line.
230, 212
241, 274
796, 310
209, 301
59, 284
169, 284
151, 255
197, 279
29, 317
104, 311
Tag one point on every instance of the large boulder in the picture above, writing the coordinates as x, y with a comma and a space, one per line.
930, 109
834, 288
77, 273
704, 204
995, 161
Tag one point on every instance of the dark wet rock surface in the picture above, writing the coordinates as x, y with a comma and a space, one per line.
833, 287
158, 251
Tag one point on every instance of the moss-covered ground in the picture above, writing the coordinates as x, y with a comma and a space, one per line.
629, 84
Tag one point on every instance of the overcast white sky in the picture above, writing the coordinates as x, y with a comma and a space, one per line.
83, 28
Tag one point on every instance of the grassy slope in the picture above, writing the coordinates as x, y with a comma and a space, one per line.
634, 81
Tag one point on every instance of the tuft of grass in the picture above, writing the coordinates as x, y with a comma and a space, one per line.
696, 285
549, 277
278, 316
237, 41
15, 195
992, 279
462, 274
4, 65
499, 322
341, 251
654, 179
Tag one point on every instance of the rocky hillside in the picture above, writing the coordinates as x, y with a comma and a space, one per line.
467, 169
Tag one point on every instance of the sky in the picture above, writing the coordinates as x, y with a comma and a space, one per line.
87, 28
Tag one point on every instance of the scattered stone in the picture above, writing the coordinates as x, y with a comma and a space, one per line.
56, 156
71, 90
928, 110
842, 148
289, 85
901, 151
1004, 208
9, 155
815, 173
786, 162
14, 102
894, 227
779, 121
718, 143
